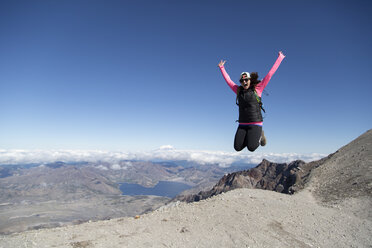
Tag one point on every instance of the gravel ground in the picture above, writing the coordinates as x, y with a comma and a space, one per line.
239, 218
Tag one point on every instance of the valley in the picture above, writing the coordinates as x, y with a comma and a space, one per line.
35, 196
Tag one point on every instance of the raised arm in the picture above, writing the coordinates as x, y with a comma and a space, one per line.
226, 76
261, 86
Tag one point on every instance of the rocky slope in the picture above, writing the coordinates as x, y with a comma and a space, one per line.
346, 177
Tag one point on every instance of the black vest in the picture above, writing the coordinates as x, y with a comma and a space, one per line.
249, 108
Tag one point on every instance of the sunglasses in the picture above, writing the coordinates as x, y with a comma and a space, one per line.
244, 80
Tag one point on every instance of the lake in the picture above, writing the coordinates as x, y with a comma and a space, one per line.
163, 188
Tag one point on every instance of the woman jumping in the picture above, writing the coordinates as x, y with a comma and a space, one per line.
249, 133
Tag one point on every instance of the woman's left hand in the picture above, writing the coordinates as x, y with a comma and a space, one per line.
281, 53
222, 62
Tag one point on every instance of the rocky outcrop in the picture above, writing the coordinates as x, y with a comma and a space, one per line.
279, 177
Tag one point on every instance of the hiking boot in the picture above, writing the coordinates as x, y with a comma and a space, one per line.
263, 139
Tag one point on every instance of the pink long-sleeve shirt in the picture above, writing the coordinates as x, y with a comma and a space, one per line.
259, 87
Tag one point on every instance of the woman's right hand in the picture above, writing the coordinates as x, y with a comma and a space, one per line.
222, 62
281, 53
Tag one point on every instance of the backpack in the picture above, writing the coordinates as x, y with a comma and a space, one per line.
255, 93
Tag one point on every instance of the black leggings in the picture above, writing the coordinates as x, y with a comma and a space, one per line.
247, 136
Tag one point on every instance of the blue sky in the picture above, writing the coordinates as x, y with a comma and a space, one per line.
137, 75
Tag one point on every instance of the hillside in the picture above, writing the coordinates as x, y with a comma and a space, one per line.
345, 179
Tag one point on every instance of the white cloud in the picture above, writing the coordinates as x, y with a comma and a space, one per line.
116, 167
101, 167
166, 147
127, 164
165, 153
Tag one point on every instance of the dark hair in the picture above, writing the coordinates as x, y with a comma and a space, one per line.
254, 79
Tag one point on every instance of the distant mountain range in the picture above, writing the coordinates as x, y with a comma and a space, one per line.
71, 189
